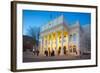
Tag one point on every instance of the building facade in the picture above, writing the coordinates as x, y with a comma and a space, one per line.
59, 38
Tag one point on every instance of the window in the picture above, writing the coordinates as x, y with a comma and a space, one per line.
64, 36
70, 37
74, 37
64, 40
60, 37
74, 48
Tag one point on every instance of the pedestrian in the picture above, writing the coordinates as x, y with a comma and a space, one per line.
37, 52
46, 52
52, 53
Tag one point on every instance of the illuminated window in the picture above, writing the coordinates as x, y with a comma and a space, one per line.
65, 36
60, 37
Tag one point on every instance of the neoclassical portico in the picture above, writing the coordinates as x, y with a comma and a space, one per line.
55, 38
54, 41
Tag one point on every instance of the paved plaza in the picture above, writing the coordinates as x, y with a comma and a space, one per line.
29, 57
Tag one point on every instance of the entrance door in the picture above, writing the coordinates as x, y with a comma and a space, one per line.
64, 50
74, 49
59, 50
49, 51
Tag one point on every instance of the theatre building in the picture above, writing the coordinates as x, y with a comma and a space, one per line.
57, 38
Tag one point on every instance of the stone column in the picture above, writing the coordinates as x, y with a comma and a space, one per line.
62, 43
49, 46
46, 43
51, 41
56, 51
43, 45
40, 46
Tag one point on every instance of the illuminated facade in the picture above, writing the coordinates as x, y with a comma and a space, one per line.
59, 38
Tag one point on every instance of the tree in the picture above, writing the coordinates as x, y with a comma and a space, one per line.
34, 32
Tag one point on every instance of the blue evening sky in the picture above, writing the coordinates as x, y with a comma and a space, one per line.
32, 18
